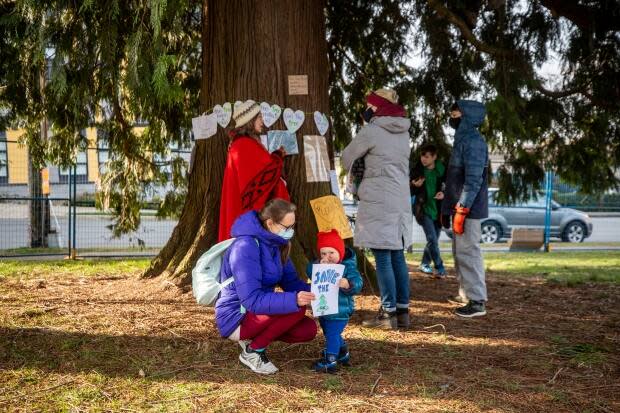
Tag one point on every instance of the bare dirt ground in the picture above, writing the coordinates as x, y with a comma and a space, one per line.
114, 342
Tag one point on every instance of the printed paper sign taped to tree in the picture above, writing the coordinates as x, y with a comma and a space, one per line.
325, 279
333, 176
329, 214
317, 159
204, 126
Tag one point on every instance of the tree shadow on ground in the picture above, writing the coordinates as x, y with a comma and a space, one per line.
436, 366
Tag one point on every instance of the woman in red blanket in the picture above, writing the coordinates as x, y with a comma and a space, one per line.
253, 175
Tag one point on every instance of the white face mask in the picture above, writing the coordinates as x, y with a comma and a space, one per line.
287, 234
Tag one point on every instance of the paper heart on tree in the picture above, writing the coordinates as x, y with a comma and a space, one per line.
270, 113
223, 113
293, 120
322, 124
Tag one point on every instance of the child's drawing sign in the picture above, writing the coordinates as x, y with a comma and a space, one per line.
329, 214
282, 138
325, 279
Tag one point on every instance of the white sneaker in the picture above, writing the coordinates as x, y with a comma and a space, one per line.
257, 361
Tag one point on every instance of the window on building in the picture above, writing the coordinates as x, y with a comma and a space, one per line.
103, 152
4, 160
81, 168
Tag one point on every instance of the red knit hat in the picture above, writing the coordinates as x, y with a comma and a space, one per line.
330, 239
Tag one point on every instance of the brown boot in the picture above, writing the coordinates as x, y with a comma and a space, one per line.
383, 320
402, 316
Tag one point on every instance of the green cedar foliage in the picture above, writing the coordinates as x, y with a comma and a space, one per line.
109, 63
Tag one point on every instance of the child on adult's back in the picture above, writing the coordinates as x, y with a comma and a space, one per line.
331, 250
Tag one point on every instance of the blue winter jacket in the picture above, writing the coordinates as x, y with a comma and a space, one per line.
257, 269
467, 175
346, 302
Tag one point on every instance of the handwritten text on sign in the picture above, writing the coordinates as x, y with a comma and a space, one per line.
329, 214
298, 84
325, 280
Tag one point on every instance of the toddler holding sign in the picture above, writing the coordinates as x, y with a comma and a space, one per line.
331, 250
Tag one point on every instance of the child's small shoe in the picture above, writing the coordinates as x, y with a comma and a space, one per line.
328, 363
344, 358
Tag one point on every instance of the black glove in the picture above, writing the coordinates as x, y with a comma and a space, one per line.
445, 221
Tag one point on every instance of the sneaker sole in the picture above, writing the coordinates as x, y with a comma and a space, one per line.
478, 314
241, 359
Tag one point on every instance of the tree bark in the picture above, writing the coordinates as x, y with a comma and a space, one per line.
250, 47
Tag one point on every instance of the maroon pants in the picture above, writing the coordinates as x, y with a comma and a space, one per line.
290, 328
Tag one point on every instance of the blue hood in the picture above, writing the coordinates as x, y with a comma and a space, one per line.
473, 114
249, 225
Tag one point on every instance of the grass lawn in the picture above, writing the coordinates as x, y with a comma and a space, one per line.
91, 335
566, 267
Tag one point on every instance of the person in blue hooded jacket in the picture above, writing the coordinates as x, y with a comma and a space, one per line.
331, 249
249, 310
466, 201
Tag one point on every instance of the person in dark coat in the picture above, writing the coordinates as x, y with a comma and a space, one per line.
427, 181
249, 310
466, 201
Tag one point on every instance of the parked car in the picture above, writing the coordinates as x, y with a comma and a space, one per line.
350, 210
567, 224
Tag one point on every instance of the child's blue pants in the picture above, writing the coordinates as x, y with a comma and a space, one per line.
332, 330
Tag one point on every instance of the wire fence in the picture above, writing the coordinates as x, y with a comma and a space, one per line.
58, 215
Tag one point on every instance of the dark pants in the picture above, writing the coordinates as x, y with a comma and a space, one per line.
432, 230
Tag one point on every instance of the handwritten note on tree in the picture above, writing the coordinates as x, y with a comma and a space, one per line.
325, 279
329, 214
298, 84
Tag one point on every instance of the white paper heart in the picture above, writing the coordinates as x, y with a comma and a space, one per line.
237, 103
322, 124
223, 113
293, 120
270, 113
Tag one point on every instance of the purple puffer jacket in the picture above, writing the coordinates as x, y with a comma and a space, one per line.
257, 269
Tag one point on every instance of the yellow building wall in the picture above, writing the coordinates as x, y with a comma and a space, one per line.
17, 156
91, 153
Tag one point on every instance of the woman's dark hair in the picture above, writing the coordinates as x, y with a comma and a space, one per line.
245, 130
428, 148
276, 209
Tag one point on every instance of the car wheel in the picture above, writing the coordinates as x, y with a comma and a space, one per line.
575, 231
491, 232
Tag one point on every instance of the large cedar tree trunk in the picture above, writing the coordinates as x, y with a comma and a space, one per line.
250, 47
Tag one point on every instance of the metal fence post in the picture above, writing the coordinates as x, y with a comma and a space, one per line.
70, 229
548, 196
74, 251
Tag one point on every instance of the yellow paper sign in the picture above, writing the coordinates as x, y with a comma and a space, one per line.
329, 214
45, 181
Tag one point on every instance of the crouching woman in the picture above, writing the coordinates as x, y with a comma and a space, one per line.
249, 309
